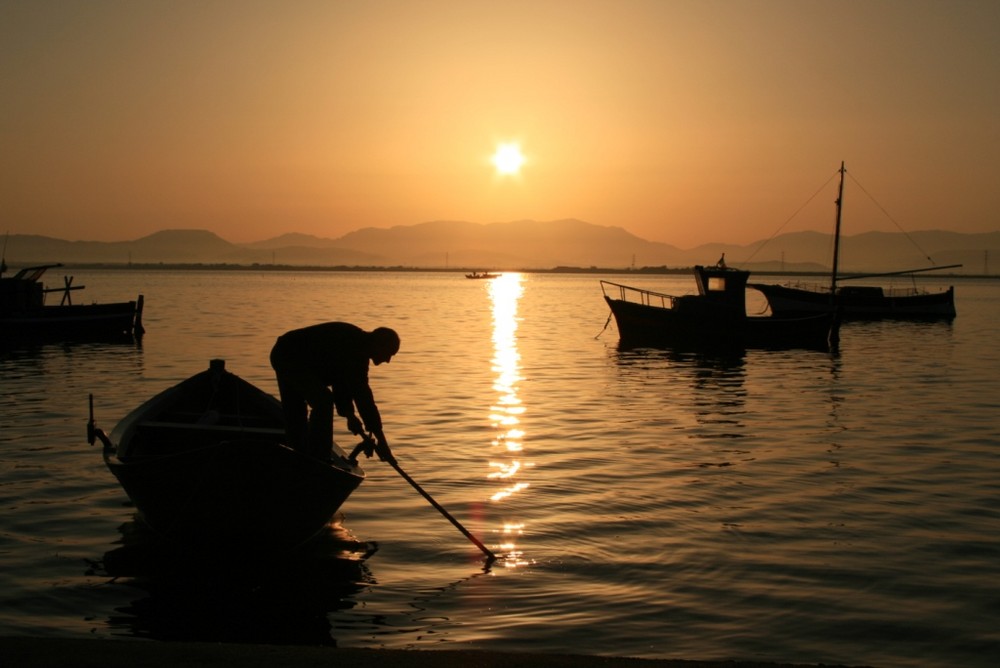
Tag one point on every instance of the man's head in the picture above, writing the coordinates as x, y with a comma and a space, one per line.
384, 344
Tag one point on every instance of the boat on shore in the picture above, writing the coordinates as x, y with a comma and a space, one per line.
24, 315
860, 302
715, 318
206, 466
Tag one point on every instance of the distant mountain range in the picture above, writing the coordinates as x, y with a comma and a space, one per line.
519, 245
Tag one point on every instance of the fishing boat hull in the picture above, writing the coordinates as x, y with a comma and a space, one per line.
205, 465
859, 303
24, 315
74, 322
715, 318
681, 326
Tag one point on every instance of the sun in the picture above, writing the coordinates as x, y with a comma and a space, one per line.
508, 159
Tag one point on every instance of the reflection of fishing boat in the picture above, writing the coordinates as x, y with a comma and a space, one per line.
205, 464
483, 274
859, 302
25, 316
714, 318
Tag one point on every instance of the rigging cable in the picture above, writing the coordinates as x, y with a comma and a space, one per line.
791, 217
898, 226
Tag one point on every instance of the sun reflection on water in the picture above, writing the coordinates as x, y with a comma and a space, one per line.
507, 465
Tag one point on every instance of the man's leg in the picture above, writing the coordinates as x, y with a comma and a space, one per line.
321, 427
315, 435
294, 406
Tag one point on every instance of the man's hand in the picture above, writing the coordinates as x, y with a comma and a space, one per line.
354, 424
382, 449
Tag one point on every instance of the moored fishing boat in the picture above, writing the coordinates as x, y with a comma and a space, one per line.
860, 302
206, 465
24, 315
715, 318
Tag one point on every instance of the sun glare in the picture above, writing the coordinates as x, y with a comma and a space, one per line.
508, 159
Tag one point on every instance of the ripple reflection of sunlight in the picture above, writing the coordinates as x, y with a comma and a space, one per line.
506, 411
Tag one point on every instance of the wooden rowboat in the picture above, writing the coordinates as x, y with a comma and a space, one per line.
206, 465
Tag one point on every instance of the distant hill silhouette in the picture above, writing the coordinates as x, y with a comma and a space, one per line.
523, 244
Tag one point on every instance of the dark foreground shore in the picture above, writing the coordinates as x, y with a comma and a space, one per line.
102, 653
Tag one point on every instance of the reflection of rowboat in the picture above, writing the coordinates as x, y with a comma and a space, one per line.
860, 302
25, 316
713, 319
484, 274
205, 464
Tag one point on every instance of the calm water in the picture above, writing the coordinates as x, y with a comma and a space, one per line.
780, 506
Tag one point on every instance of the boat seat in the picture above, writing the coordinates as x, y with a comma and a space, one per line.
162, 438
198, 427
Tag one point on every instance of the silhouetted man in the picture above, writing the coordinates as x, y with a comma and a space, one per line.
323, 366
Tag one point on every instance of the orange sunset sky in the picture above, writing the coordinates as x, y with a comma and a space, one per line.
683, 121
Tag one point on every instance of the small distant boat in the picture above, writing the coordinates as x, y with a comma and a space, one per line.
860, 302
484, 274
24, 316
206, 465
715, 318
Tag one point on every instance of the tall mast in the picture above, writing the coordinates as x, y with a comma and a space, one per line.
836, 233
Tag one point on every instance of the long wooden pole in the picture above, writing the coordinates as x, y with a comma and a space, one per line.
369, 441
413, 483
900, 273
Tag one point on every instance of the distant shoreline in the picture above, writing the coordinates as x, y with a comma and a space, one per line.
556, 247
640, 271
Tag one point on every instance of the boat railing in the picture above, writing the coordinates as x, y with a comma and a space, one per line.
808, 286
888, 291
903, 292
628, 293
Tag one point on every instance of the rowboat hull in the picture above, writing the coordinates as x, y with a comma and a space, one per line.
235, 492
205, 465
